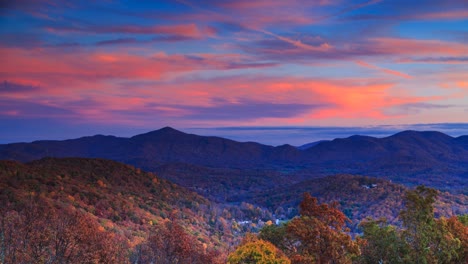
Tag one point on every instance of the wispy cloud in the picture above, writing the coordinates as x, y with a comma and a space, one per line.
7, 87
449, 15
387, 71
27, 109
117, 41
258, 27
461, 59
351, 8
413, 108
247, 109
84, 68
185, 31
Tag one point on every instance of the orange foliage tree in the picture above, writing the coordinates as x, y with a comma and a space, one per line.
320, 235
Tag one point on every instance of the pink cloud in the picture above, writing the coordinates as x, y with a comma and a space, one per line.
186, 30
288, 100
52, 68
190, 31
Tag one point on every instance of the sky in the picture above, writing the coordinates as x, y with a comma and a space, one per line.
231, 68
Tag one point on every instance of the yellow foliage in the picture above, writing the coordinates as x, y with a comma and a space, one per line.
258, 251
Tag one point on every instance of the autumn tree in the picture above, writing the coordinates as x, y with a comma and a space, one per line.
169, 243
455, 234
258, 251
37, 232
320, 234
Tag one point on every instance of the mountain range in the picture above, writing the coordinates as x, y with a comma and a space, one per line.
409, 157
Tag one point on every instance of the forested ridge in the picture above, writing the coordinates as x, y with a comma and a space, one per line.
104, 209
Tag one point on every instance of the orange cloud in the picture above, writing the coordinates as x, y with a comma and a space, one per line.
350, 98
452, 80
54, 69
414, 47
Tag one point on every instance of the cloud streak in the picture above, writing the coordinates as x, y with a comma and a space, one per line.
84, 68
182, 31
247, 109
387, 71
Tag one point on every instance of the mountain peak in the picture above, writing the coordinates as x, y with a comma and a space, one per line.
165, 131
431, 135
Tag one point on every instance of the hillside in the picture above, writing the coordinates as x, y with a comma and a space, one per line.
120, 198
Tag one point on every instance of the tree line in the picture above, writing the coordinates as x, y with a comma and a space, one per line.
34, 230
319, 235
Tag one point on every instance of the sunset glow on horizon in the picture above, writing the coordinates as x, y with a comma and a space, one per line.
140, 65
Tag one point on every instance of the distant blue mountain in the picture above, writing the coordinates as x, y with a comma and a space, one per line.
312, 144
